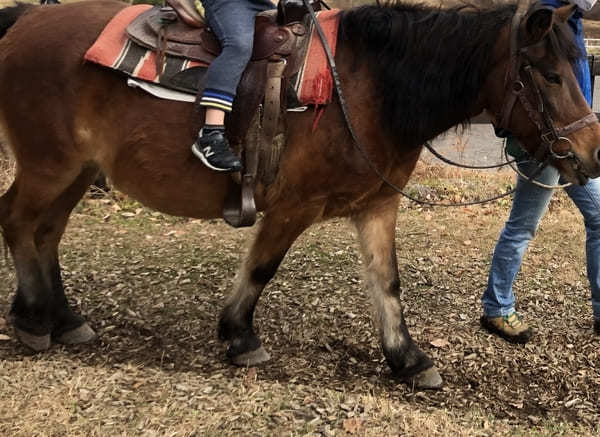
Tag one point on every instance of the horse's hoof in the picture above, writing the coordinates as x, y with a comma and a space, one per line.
251, 358
37, 343
82, 334
427, 379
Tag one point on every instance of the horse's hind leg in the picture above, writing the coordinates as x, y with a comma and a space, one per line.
69, 328
377, 231
26, 212
278, 230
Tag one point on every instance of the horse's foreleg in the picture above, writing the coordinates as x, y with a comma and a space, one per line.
377, 231
278, 230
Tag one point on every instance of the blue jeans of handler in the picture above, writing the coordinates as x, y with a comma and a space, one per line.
529, 206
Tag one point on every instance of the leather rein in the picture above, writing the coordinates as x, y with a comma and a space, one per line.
549, 136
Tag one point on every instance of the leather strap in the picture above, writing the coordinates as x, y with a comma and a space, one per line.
270, 121
239, 209
576, 125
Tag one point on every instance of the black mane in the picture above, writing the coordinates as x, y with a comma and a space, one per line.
9, 16
430, 64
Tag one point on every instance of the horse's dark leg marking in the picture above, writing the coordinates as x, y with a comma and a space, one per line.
23, 209
69, 327
376, 228
277, 233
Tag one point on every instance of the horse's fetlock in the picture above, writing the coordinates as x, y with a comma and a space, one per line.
36, 322
229, 329
407, 360
243, 345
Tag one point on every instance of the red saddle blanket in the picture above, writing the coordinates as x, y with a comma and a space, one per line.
113, 49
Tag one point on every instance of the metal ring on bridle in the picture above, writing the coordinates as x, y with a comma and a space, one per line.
529, 179
568, 154
518, 86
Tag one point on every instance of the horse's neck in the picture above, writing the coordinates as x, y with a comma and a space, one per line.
424, 82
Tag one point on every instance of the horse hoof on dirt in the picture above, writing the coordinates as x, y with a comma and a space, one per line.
251, 358
427, 379
82, 334
37, 343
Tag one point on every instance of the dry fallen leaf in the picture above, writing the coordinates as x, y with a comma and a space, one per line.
4, 337
439, 342
352, 426
250, 377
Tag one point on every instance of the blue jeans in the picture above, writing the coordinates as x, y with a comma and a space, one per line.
529, 206
232, 21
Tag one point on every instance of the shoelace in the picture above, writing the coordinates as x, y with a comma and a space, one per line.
513, 320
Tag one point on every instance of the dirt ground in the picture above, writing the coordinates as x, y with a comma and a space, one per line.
152, 286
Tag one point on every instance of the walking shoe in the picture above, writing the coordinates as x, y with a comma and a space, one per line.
597, 326
510, 328
214, 151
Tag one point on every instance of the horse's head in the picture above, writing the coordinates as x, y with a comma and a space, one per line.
540, 101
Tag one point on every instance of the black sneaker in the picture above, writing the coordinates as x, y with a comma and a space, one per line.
214, 151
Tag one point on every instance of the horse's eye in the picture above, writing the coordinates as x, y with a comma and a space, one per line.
553, 78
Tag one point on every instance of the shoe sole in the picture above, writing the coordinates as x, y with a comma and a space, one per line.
198, 154
521, 338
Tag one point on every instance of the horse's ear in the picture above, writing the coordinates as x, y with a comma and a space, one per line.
564, 12
539, 23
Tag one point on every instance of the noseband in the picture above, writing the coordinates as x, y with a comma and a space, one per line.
550, 135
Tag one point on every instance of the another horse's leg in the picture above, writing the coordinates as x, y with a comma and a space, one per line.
69, 328
26, 206
377, 231
278, 230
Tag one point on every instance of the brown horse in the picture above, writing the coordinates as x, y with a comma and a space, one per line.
410, 73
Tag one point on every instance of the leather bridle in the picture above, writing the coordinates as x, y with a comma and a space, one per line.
550, 136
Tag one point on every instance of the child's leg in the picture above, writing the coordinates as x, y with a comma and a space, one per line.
232, 21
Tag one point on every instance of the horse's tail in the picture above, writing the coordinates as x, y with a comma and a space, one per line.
10, 15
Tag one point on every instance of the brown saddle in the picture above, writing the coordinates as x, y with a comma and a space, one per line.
178, 38
255, 127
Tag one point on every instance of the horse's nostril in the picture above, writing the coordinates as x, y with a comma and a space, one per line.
597, 155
